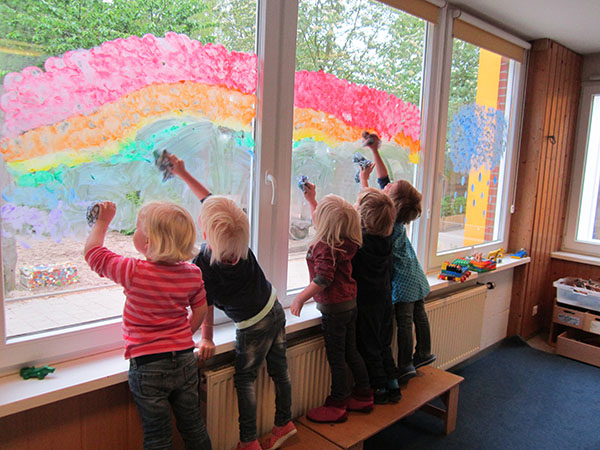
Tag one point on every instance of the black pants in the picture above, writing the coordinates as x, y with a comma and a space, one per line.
406, 314
374, 329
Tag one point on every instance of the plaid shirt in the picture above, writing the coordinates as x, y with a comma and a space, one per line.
409, 283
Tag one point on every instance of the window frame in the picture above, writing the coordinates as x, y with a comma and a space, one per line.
432, 259
584, 118
276, 31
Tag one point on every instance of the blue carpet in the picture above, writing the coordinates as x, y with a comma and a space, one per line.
516, 397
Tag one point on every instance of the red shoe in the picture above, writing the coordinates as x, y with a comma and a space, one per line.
361, 401
279, 436
333, 411
254, 445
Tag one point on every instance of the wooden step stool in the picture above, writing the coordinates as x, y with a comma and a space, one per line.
429, 384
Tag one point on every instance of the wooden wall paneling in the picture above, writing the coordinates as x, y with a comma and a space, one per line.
13, 432
542, 185
522, 220
104, 418
55, 426
561, 269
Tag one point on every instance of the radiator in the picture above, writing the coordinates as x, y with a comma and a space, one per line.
310, 377
456, 323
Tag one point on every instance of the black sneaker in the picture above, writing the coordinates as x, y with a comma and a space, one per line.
420, 362
394, 395
406, 374
381, 396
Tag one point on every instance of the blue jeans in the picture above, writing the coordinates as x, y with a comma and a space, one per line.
263, 340
339, 330
406, 314
161, 385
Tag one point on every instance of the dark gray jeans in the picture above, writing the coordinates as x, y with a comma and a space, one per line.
408, 313
168, 383
263, 340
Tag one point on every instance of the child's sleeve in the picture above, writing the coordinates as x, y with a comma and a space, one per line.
199, 298
110, 265
383, 182
324, 265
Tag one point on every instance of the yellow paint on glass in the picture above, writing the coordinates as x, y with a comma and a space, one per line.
488, 82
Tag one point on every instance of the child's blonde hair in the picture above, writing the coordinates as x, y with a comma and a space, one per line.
377, 212
407, 200
227, 229
335, 221
170, 230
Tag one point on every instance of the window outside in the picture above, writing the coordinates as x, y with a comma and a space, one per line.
476, 145
359, 66
89, 99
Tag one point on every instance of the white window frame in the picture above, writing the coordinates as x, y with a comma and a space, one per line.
574, 206
432, 259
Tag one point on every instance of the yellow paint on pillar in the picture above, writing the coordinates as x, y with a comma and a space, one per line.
488, 81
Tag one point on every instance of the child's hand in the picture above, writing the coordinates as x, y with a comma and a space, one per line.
178, 164
371, 140
107, 212
365, 173
206, 348
296, 307
310, 192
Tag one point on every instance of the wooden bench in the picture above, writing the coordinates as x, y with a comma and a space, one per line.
429, 384
305, 439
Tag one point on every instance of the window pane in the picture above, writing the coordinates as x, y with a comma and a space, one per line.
476, 141
86, 110
588, 226
359, 67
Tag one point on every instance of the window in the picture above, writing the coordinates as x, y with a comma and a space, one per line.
84, 117
252, 94
370, 57
583, 221
473, 196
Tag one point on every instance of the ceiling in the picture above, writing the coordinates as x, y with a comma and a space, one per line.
574, 24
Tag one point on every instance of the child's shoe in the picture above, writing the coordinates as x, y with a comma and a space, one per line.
381, 396
406, 373
279, 436
361, 401
420, 362
393, 390
332, 411
254, 445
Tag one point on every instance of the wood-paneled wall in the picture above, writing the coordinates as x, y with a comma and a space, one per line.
106, 419
544, 169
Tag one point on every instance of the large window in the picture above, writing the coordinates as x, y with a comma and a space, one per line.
473, 196
252, 94
358, 67
583, 221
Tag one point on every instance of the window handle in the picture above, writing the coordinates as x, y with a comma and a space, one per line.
271, 179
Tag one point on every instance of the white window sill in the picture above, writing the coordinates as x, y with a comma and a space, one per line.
507, 263
576, 257
98, 371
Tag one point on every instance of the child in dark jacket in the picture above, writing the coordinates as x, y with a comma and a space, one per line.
333, 288
371, 268
236, 284
409, 282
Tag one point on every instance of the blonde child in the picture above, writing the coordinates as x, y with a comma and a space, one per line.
236, 284
372, 268
329, 257
409, 283
163, 369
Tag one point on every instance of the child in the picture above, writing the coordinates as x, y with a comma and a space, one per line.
163, 368
236, 284
409, 283
371, 268
333, 288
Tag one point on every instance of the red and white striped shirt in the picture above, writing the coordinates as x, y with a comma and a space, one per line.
155, 315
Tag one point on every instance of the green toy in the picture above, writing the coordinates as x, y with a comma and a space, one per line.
39, 373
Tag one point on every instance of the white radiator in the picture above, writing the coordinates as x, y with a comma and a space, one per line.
310, 377
456, 323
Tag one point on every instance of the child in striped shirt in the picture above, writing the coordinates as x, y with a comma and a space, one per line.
157, 328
